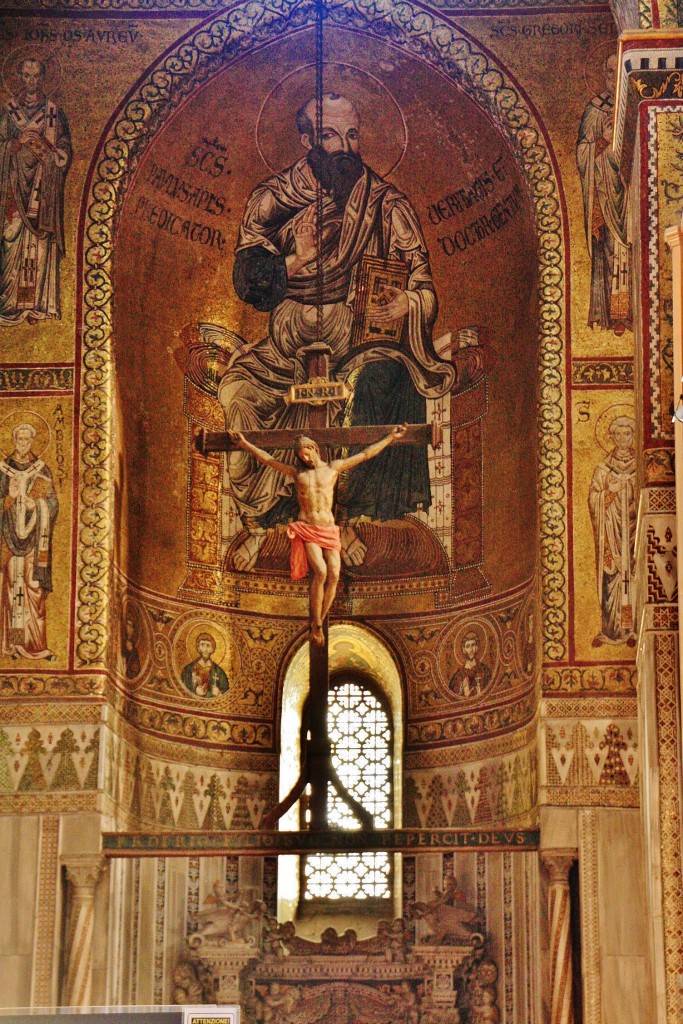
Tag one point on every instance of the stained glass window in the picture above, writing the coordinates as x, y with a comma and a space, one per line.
359, 728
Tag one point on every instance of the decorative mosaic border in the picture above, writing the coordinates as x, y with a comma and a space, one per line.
653, 256
585, 796
606, 373
507, 745
177, 749
17, 379
63, 713
667, 696
25, 687
196, 7
214, 46
48, 803
587, 707
573, 679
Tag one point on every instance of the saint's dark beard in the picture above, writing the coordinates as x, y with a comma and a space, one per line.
336, 172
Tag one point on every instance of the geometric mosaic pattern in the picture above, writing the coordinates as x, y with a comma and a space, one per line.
492, 792
166, 795
589, 761
669, 764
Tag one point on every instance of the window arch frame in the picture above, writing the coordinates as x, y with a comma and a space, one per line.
353, 648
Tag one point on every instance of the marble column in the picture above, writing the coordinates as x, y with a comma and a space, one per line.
558, 863
82, 873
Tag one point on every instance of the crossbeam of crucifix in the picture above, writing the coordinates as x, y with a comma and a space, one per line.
317, 770
333, 437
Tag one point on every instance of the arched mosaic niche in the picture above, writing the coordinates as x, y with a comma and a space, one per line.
226, 40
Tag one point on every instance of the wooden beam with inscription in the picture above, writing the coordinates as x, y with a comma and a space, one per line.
338, 437
272, 843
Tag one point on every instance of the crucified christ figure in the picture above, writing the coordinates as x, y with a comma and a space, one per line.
315, 536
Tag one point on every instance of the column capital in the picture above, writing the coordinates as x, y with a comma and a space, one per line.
559, 862
674, 235
83, 870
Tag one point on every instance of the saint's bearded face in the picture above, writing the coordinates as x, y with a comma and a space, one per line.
337, 172
205, 649
335, 160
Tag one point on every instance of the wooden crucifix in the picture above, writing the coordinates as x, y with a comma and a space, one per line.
315, 490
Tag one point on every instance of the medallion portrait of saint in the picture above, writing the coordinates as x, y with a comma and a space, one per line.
28, 512
364, 218
472, 677
203, 677
35, 156
613, 511
605, 210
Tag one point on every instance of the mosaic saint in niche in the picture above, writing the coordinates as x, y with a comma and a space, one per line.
35, 155
613, 511
28, 512
605, 207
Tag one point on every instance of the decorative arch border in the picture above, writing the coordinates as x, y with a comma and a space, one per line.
189, 64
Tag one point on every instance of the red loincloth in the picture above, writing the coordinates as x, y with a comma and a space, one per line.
300, 534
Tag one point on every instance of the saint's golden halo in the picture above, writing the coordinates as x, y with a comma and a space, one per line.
594, 66
457, 637
605, 420
383, 129
15, 419
219, 655
31, 51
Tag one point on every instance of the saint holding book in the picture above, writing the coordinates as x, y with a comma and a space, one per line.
363, 216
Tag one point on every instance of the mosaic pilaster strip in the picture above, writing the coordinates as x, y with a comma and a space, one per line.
481, 883
159, 929
192, 894
529, 952
232, 878
270, 884
590, 917
46, 912
669, 764
409, 893
135, 952
509, 959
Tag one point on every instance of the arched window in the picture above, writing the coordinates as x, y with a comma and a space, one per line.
358, 656
359, 727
